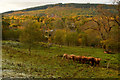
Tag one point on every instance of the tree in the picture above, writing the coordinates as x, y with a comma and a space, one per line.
5, 28
59, 24
5, 24
105, 21
117, 7
83, 39
31, 34
59, 37
93, 38
71, 38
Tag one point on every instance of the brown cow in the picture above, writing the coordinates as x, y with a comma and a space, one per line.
90, 60
72, 57
97, 61
77, 58
67, 56
83, 59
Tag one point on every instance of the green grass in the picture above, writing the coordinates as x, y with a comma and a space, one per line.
45, 63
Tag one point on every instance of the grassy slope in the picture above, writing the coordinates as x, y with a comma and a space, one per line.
44, 63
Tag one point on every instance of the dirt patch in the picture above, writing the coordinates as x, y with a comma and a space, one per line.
12, 74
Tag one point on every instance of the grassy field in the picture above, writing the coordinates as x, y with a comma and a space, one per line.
47, 63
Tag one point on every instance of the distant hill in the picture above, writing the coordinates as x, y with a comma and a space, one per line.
74, 5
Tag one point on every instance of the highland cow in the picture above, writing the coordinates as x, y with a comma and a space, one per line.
67, 56
77, 58
97, 61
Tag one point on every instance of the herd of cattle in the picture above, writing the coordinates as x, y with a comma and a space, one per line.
83, 59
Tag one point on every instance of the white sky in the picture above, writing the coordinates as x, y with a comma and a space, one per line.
8, 5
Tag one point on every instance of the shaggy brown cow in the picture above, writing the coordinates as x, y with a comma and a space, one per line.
108, 52
72, 57
77, 58
97, 61
67, 56
83, 59
90, 60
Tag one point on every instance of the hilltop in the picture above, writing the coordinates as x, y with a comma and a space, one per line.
61, 9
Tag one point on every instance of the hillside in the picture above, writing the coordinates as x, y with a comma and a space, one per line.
61, 9
61, 41
75, 5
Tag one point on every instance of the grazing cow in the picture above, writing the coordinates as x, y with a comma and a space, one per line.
67, 56
97, 61
77, 58
108, 52
72, 57
83, 59
90, 60
105, 51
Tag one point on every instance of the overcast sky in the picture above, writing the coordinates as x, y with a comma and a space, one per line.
8, 5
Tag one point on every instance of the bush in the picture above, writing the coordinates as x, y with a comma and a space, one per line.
11, 34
